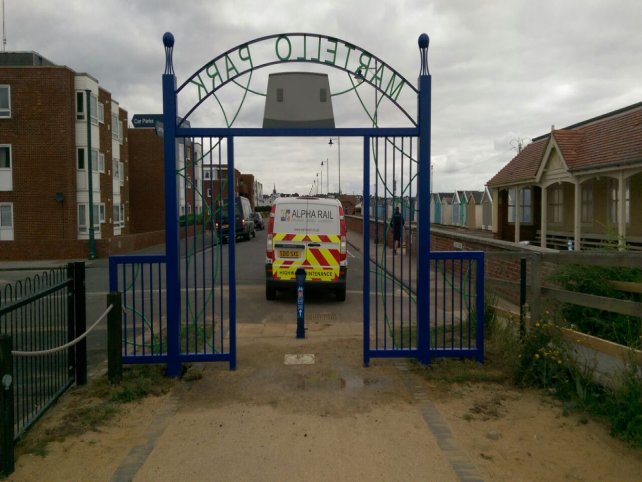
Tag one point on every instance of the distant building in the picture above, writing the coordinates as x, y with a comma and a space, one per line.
60, 133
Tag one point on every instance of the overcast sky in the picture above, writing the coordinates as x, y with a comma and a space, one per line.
502, 71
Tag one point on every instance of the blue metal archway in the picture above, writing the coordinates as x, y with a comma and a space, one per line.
398, 334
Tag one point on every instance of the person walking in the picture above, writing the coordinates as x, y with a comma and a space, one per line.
396, 223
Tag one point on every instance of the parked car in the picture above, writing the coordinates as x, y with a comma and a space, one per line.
258, 221
244, 224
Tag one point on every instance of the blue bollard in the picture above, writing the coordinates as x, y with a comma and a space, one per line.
300, 320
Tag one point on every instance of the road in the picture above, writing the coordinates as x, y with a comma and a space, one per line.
252, 307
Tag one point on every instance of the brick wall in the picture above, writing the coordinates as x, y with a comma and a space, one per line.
40, 111
145, 168
501, 259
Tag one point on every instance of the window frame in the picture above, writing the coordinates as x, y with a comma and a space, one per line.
526, 208
587, 199
80, 158
93, 109
5, 112
10, 206
555, 205
81, 111
10, 157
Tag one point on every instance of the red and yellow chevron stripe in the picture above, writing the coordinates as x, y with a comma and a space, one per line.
313, 238
320, 263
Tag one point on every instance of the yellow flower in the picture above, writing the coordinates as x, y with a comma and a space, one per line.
536, 356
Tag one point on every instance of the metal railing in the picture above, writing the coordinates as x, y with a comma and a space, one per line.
38, 314
457, 304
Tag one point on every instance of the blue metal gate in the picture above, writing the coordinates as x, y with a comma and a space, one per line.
181, 305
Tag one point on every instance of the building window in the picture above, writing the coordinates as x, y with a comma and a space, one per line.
209, 192
6, 222
279, 95
83, 217
119, 215
101, 212
587, 203
80, 157
115, 127
556, 206
80, 106
93, 109
101, 113
101, 162
115, 165
5, 101
526, 205
5, 157
121, 173
94, 160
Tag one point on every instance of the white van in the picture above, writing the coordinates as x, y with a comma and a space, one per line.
310, 233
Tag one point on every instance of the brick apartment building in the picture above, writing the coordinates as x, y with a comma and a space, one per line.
47, 143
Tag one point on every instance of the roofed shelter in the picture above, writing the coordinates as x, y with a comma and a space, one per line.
574, 187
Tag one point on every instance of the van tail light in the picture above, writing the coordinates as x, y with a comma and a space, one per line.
344, 241
270, 233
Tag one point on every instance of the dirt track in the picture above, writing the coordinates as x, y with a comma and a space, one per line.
335, 420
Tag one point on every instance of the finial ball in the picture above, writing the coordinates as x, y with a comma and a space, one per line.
168, 39
423, 41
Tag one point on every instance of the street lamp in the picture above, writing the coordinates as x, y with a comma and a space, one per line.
327, 175
322, 178
317, 182
338, 139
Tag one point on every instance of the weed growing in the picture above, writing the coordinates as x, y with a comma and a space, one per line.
544, 359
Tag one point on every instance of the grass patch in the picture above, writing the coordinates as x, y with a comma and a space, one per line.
90, 407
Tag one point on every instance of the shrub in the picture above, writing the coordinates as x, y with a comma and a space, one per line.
622, 329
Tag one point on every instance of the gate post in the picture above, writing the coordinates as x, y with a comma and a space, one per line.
6, 406
80, 322
171, 212
423, 188
366, 250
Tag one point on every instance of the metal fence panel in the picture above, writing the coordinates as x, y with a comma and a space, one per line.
37, 314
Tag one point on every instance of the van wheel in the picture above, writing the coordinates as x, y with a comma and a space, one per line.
270, 293
341, 293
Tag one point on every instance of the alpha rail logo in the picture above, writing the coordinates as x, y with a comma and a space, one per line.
288, 215
285, 216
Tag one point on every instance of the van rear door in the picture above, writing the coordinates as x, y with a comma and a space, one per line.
290, 229
306, 234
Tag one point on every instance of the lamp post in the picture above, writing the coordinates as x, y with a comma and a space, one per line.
317, 182
90, 187
338, 139
327, 175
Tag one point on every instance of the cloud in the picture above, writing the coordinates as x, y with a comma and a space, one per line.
501, 70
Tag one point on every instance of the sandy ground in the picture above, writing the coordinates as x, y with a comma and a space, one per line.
333, 420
